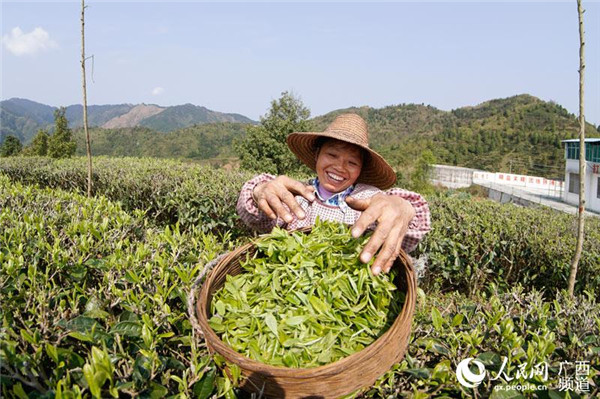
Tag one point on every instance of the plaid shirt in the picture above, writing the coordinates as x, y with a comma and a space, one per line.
336, 199
259, 221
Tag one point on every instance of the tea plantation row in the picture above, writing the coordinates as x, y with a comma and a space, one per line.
473, 243
94, 305
168, 191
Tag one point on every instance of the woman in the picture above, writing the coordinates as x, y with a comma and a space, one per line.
348, 189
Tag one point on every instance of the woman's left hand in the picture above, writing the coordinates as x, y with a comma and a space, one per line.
393, 215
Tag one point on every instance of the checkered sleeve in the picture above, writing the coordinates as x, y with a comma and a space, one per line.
420, 224
248, 210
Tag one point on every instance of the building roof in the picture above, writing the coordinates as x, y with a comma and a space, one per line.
590, 140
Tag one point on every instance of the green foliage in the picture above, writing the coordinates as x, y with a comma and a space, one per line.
94, 292
94, 299
169, 191
305, 300
11, 146
420, 178
206, 141
475, 242
61, 144
264, 148
39, 144
518, 324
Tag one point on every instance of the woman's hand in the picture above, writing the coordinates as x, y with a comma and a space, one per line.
393, 215
270, 197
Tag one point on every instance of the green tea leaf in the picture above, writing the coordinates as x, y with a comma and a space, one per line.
436, 318
127, 328
204, 388
271, 323
295, 320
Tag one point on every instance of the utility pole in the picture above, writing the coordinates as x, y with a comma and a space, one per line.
85, 116
581, 218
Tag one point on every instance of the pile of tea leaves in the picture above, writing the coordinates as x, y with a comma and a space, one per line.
305, 300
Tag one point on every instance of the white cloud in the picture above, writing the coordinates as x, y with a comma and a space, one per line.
20, 43
157, 91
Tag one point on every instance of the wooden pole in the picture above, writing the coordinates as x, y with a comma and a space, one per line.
85, 116
581, 218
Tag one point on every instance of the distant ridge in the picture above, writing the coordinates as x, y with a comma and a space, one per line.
22, 118
521, 134
134, 116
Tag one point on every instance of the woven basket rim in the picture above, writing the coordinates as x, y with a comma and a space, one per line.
403, 321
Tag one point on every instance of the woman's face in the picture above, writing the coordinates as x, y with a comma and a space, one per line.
338, 165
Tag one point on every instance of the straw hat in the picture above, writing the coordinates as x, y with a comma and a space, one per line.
350, 128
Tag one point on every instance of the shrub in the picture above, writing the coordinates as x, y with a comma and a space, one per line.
169, 191
473, 243
94, 299
94, 303
518, 325
476, 242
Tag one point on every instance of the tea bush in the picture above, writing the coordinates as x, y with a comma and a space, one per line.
519, 328
476, 242
94, 299
94, 305
169, 191
473, 243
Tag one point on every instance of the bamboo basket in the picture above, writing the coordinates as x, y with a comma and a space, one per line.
333, 380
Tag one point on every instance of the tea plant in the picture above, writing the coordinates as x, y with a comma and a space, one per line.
168, 191
519, 326
477, 242
94, 299
93, 291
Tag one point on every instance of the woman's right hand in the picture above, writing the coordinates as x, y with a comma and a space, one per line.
270, 197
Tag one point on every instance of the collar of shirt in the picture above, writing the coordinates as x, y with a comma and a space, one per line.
336, 199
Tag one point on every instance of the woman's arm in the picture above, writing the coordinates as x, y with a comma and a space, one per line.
402, 220
267, 201
248, 210
420, 223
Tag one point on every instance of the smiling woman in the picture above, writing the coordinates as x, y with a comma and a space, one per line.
348, 189
338, 166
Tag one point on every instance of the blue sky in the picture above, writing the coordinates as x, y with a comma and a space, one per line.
237, 57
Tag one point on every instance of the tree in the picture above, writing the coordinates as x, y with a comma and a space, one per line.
421, 177
581, 209
11, 146
39, 144
61, 143
264, 149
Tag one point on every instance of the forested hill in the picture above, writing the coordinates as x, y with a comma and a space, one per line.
22, 118
522, 134
200, 142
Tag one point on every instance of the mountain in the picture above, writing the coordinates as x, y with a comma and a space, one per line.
202, 141
133, 117
98, 115
181, 116
521, 133
23, 118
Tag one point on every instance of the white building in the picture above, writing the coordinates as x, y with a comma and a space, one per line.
457, 177
592, 173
